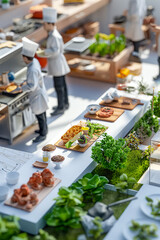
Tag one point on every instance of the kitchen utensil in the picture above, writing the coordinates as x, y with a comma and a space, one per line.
121, 201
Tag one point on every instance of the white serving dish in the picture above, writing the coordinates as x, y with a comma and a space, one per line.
58, 165
3, 192
78, 39
115, 95
12, 178
82, 144
107, 98
93, 108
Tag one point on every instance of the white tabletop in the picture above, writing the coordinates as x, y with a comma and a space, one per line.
133, 212
75, 165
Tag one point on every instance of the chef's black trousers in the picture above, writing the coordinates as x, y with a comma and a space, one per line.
42, 122
61, 91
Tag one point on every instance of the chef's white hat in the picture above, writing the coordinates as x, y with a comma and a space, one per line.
49, 15
29, 47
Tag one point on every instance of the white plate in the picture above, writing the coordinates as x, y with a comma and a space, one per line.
129, 234
147, 209
78, 39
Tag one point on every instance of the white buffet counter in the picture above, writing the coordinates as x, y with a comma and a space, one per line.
75, 165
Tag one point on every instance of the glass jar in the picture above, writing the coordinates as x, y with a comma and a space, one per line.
46, 156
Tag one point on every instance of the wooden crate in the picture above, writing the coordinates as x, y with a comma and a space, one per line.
106, 69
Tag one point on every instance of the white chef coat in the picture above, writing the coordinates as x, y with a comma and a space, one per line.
35, 85
57, 64
136, 14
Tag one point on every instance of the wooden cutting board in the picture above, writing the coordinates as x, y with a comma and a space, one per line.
40, 193
76, 147
8, 44
118, 104
117, 113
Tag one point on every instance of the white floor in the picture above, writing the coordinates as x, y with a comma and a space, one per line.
82, 92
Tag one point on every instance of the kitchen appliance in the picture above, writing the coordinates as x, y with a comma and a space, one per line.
15, 110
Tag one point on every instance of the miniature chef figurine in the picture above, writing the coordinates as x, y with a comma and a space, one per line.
57, 64
35, 85
133, 28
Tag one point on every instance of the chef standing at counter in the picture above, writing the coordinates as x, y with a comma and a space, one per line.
57, 64
35, 85
133, 28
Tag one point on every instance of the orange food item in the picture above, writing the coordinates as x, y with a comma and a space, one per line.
125, 71
105, 112
37, 10
48, 177
73, 131
11, 88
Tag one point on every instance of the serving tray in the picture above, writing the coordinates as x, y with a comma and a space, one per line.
40, 193
117, 113
118, 104
76, 147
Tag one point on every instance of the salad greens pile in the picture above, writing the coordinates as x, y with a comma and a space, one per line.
110, 153
144, 231
9, 229
155, 208
92, 187
95, 128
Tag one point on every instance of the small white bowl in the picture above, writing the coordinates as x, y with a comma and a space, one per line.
115, 95
82, 144
93, 108
3, 192
108, 98
12, 178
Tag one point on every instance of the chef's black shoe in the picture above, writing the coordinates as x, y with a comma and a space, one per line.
37, 131
39, 139
157, 77
57, 112
66, 107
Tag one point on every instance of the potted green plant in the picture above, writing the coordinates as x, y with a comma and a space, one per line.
5, 4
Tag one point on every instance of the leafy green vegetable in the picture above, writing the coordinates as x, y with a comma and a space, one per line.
110, 153
107, 44
64, 217
125, 183
132, 141
9, 229
156, 104
144, 231
43, 235
97, 231
146, 125
95, 128
69, 197
92, 187
155, 207
68, 144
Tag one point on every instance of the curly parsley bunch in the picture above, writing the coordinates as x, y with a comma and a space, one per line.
110, 153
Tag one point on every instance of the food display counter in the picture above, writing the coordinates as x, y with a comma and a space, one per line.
75, 165
15, 109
